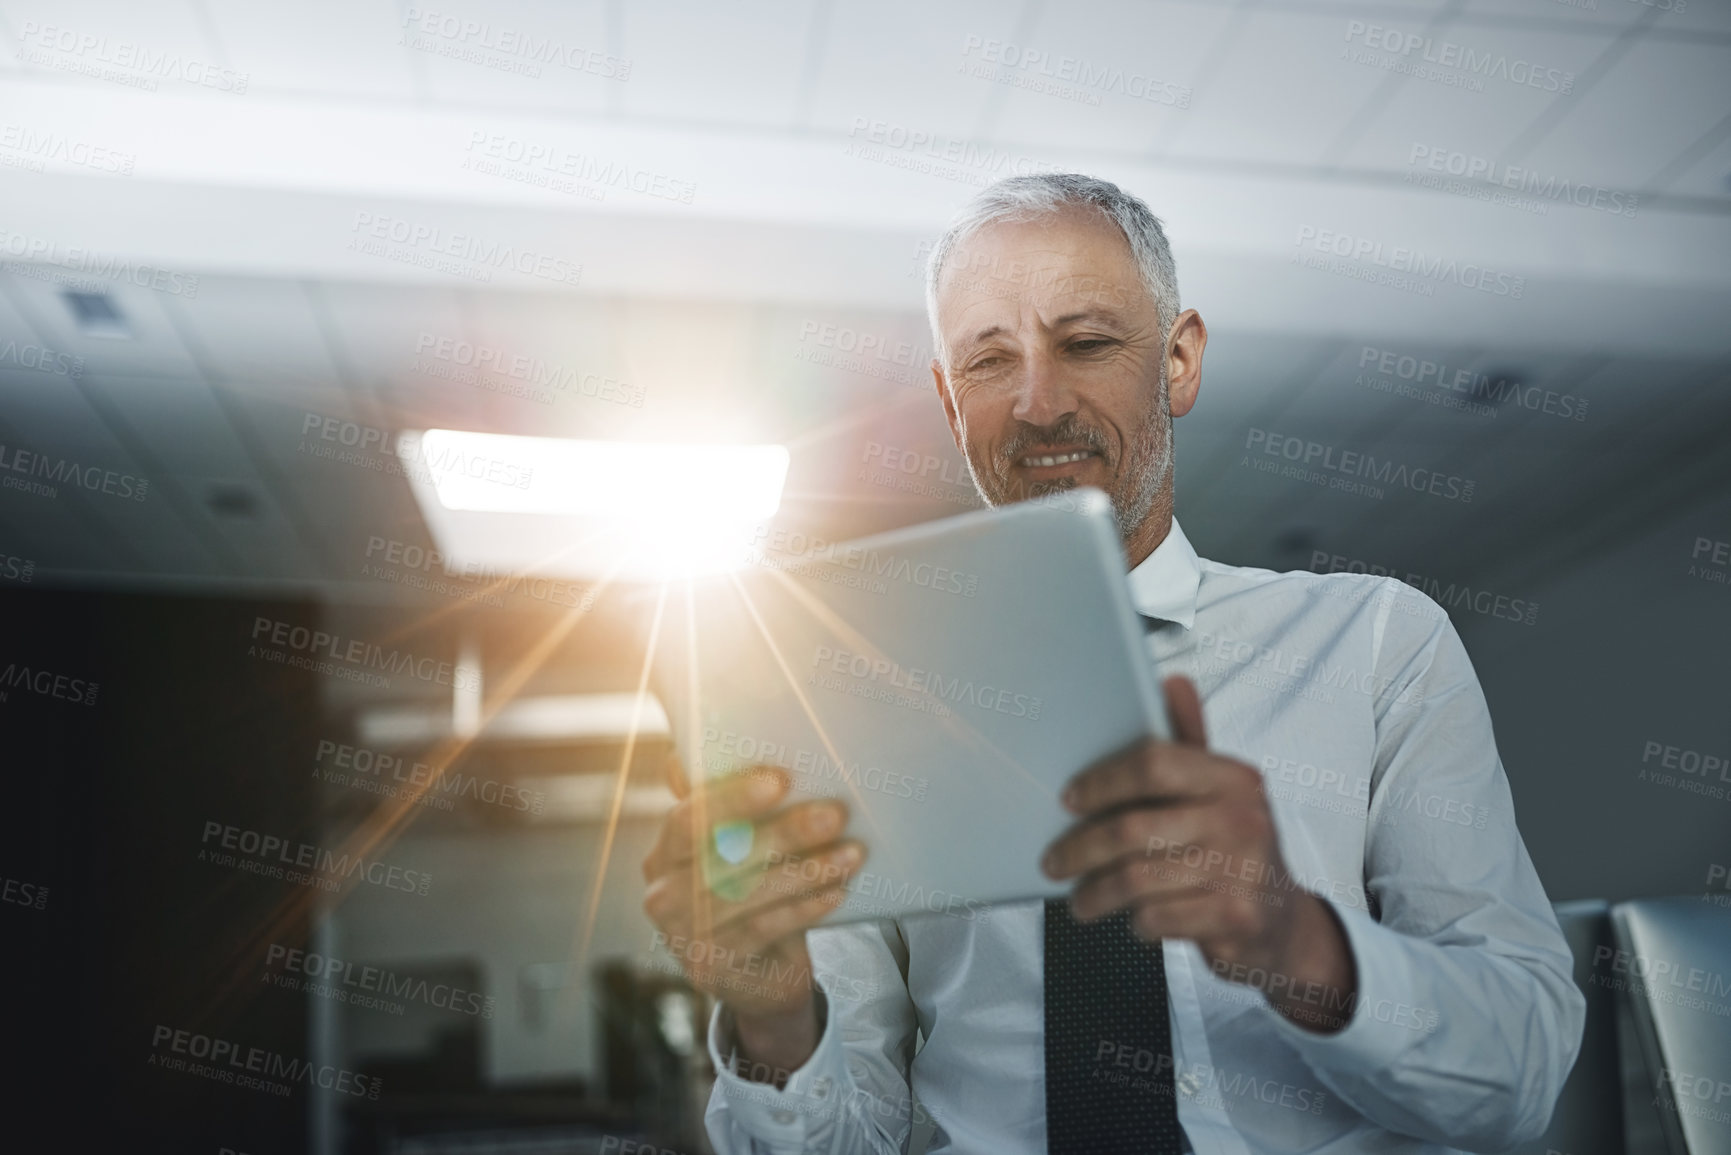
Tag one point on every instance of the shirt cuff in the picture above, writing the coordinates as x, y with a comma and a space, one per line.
1389, 1014
807, 1102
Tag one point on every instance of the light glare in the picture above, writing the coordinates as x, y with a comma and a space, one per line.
652, 510
501, 473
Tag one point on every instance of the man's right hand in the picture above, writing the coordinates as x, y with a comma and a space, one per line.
743, 925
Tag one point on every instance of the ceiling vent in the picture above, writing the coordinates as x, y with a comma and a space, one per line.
96, 315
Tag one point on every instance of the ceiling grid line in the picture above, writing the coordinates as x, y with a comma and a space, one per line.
1380, 98
1557, 111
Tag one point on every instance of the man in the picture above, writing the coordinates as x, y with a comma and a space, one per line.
1306, 924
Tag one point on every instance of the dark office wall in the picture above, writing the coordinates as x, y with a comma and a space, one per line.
107, 793
1608, 709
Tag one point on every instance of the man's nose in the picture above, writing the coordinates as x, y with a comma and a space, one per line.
1043, 392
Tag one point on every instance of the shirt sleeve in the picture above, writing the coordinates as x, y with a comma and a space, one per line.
1467, 1019
852, 1096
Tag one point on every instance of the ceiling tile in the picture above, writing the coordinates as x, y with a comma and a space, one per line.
1281, 94
736, 63
349, 48
1659, 99
1477, 109
1106, 76
899, 65
528, 54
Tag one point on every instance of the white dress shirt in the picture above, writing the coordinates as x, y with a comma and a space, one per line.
1355, 698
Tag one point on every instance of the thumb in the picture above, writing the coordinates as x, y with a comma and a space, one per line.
676, 779
1184, 708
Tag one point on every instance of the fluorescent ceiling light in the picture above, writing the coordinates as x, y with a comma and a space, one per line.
499, 504
498, 473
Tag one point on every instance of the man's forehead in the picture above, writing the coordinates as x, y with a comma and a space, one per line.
1060, 266
1072, 237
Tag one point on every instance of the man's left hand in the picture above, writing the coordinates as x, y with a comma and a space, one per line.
1184, 840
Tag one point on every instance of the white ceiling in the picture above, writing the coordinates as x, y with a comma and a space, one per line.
702, 305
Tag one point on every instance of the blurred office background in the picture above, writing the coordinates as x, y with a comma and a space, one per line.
246, 246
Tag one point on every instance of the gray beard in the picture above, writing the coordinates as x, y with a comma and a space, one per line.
1153, 480
1128, 510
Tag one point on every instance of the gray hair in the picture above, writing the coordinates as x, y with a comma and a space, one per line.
1024, 198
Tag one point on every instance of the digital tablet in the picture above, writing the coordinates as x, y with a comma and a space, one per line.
945, 681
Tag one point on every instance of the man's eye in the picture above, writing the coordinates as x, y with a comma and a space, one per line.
985, 363
1089, 345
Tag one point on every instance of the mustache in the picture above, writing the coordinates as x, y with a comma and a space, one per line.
1067, 431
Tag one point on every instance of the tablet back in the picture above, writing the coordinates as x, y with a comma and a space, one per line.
945, 681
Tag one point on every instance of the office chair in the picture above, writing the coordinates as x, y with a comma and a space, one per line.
1675, 968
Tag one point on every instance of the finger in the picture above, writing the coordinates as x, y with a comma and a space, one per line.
681, 900
1134, 880
794, 879
1148, 772
767, 927
805, 826
1138, 832
667, 900
675, 775
741, 795
1178, 914
1184, 708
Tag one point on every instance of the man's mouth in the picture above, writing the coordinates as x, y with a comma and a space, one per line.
1044, 460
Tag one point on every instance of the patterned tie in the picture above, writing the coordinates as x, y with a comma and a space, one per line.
1108, 1045
1109, 1087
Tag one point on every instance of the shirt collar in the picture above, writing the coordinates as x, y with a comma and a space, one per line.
1164, 586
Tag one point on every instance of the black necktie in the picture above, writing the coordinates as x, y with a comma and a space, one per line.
1108, 1045
1109, 1086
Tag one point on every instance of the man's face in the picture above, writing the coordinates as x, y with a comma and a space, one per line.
1056, 364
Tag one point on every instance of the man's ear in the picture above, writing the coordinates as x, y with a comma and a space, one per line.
1184, 356
949, 404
